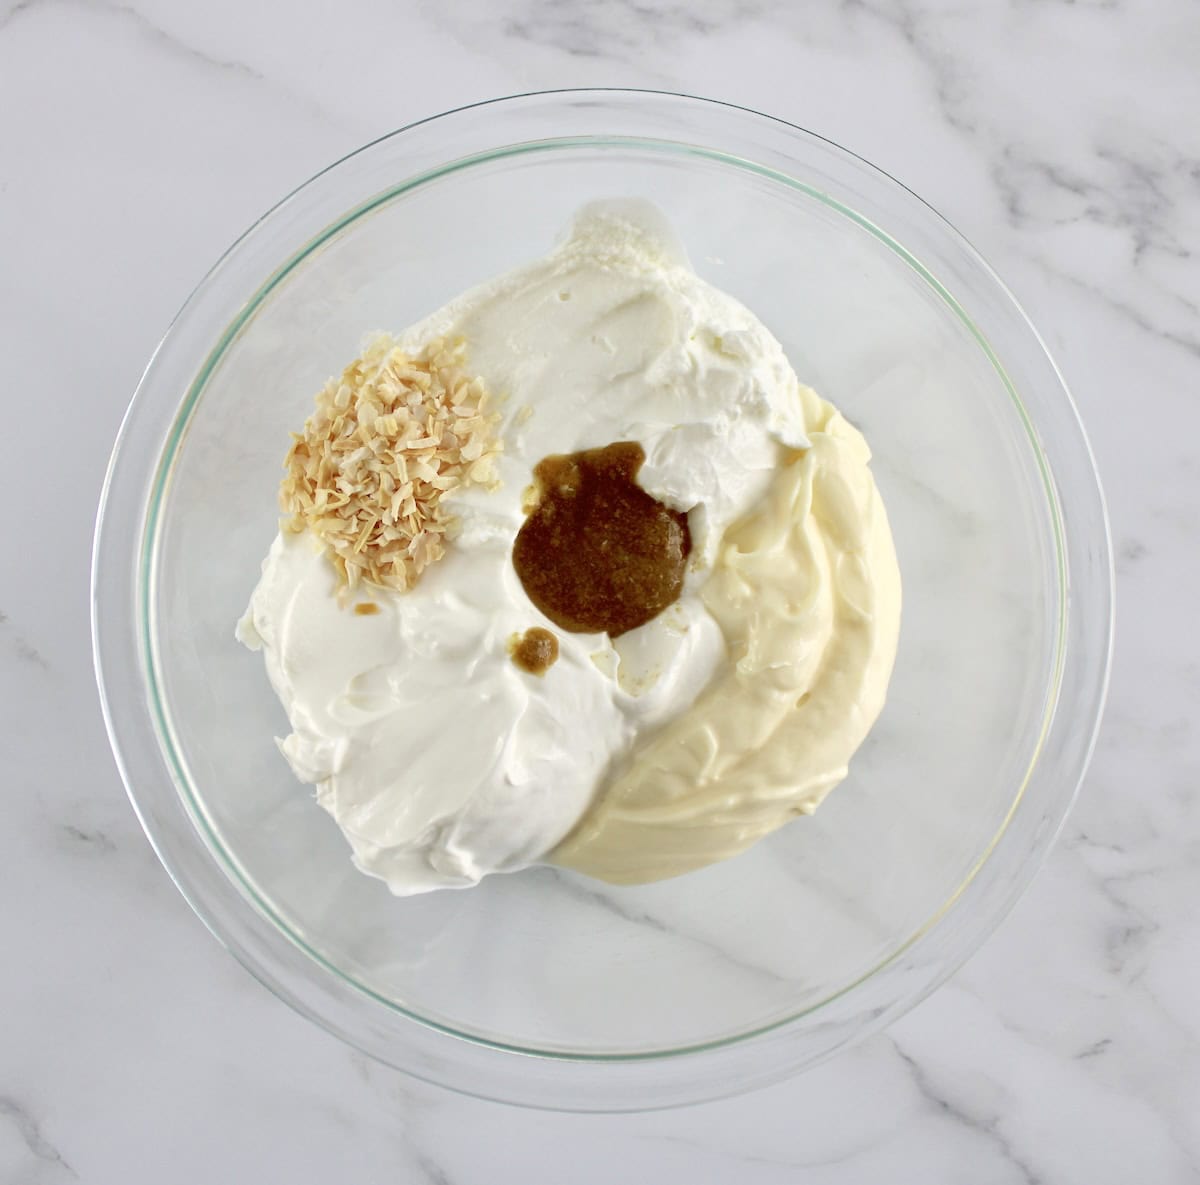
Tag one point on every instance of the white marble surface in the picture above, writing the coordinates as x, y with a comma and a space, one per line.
137, 139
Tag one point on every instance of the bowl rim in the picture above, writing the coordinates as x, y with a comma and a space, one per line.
121, 487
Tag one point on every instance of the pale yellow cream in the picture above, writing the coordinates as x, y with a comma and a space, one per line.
806, 590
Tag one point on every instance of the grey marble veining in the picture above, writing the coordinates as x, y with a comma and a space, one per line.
139, 139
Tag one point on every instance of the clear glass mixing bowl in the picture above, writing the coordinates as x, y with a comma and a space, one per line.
542, 987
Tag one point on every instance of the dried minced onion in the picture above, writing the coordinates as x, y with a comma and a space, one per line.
387, 441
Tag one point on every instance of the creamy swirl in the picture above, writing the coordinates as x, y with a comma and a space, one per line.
806, 591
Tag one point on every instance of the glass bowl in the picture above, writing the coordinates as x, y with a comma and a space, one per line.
542, 987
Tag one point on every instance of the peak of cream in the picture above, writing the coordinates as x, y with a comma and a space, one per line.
439, 758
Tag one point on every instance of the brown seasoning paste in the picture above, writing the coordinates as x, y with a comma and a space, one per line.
535, 651
598, 554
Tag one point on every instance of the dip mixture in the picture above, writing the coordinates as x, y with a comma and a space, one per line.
575, 571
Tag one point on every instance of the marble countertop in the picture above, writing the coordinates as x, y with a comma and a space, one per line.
138, 139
